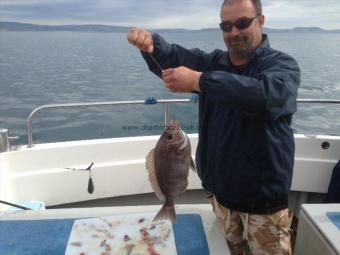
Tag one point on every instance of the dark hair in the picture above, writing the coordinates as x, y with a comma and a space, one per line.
257, 4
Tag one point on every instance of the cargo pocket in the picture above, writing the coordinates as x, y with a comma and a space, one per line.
270, 233
286, 218
282, 219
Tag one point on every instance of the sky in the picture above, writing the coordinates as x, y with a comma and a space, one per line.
151, 14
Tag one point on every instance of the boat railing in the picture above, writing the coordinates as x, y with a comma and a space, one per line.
149, 101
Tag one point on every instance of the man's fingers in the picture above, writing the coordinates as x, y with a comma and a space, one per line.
168, 72
181, 79
167, 80
150, 49
171, 87
132, 36
147, 43
141, 38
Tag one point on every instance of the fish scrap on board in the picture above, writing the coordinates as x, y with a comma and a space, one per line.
168, 167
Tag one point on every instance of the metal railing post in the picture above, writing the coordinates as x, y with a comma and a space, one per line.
4, 140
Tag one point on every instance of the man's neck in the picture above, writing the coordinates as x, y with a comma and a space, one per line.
242, 60
237, 61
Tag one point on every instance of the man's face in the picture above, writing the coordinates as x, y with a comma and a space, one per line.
240, 42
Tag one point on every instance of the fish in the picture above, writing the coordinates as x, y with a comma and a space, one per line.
168, 167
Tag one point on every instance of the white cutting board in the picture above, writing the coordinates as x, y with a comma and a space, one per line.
130, 234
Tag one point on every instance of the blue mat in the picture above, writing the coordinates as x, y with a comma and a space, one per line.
335, 218
42, 237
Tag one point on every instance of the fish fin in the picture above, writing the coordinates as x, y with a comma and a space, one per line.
166, 213
150, 167
192, 162
192, 165
185, 189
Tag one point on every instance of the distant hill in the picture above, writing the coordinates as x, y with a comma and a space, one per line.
18, 27
301, 30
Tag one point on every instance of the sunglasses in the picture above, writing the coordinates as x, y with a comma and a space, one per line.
240, 24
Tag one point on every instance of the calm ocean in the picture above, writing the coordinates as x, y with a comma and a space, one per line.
39, 68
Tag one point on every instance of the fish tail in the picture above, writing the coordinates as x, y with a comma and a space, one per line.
167, 212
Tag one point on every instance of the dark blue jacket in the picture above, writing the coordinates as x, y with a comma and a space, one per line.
245, 153
333, 194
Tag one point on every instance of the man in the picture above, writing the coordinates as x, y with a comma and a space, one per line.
245, 153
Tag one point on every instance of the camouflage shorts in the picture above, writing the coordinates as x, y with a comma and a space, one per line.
267, 234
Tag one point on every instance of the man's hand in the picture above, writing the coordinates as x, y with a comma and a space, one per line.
181, 79
141, 38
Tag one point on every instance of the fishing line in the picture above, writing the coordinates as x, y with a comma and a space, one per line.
157, 64
90, 184
167, 114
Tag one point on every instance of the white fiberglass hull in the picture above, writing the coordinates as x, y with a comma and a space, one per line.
40, 173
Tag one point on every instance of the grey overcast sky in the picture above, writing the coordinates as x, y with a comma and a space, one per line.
191, 14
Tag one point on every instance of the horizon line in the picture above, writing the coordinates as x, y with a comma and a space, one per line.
193, 29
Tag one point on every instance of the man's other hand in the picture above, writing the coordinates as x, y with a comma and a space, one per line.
181, 79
